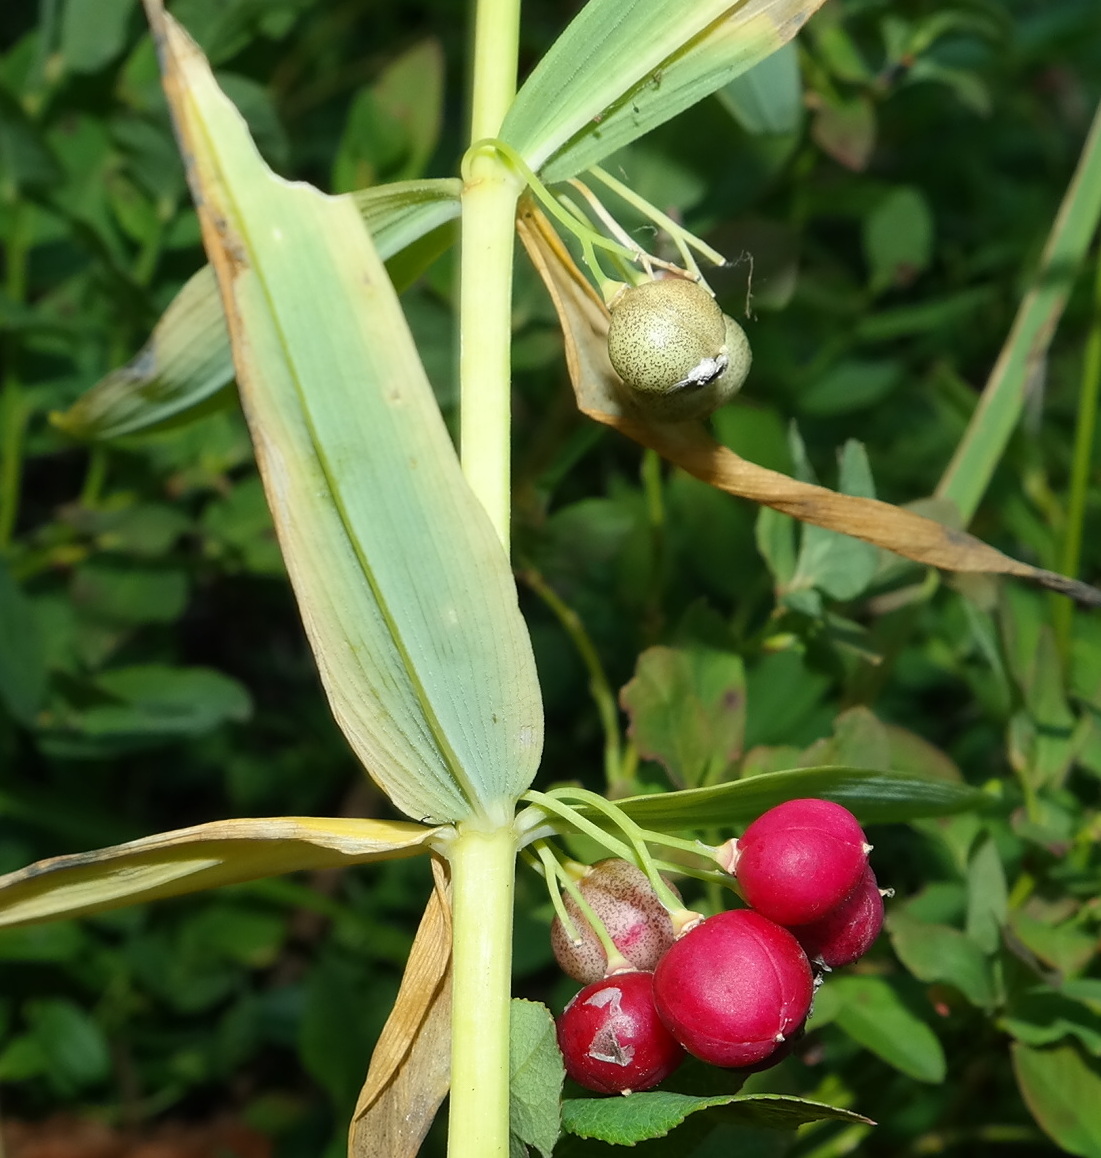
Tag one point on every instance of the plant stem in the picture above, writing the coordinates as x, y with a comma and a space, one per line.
483, 863
1080, 470
490, 192
482, 874
14, 408
485, 339
599, 687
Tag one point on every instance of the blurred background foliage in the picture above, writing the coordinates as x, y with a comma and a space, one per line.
885, 189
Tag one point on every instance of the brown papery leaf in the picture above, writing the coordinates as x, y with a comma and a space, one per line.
410, 1070
689, 445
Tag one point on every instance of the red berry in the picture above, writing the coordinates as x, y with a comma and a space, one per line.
734, 988
799, 860
623, 898
846, 933
611, 1038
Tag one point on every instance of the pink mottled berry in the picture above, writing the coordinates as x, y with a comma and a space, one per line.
623, 898
799, 860
734, 988
846, 933
611, 1038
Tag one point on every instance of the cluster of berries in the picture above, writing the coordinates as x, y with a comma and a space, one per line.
734, 989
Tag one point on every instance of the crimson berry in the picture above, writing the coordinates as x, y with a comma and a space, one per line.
846, 933
799, 860
611, 1038
623, 898
734, 988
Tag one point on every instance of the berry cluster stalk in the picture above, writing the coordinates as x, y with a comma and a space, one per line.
483, 861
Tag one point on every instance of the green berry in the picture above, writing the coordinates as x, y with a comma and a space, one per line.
678, 354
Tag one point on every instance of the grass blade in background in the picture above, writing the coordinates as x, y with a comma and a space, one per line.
624, 67
206, 856
188, 361
407, 597
1021, 361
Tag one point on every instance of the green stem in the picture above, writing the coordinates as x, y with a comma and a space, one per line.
1080, 470
496, 49
483, 866
490, 193
485, 342
14, 413
14, 409
599, 687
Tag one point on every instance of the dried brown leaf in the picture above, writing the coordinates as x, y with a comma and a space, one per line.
410, 1070
690, 446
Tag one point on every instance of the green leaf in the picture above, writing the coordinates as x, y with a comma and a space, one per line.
768, 98
845, 130
27, 160
22, 663
406, 593
622, 67
1044, 1016
638, 1117
240, 532
205, 856
536, 1074
687, 711
159, 701
898, 239
987, 896
187, 362
940, 953
873, 1012
93, 32
72, 1044
1058, 1086
393, 126
1067, 946
852, 384
124, 592
875, 797
838, 565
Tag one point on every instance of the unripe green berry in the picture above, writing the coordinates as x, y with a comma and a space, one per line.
675, 350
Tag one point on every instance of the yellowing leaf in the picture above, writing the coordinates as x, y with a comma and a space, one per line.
690, 445
205, 856
406, 593
410, 1069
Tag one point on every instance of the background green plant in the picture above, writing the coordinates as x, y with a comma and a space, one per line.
154, 673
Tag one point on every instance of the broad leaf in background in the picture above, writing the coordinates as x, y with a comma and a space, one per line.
22, 664
769, 97
146, 705
1062, 1089
873, 1011
687, 711
394, 125
627, 1121
406, 594
188, 360
623, 67
206, 856
536, 1074
940, 953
